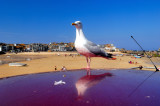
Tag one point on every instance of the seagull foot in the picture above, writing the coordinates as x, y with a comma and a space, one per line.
113, 58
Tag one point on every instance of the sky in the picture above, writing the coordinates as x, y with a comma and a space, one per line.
104, 21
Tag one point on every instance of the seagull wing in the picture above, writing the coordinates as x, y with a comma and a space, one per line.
95, 49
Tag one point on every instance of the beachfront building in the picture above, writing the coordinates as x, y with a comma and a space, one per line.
111, 48
159, 50
37, 47
123, 50
19, 47
0, 48
12, 47
61, 46
53, 47
2, 45
7, 47
27, 48
71, 46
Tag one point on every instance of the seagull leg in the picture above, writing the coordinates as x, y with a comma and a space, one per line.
88, 66
87, 63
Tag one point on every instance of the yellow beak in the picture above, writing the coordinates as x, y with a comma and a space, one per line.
74, 24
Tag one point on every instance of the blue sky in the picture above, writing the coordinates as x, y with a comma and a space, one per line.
108, 21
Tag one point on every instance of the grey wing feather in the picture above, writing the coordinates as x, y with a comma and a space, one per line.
91, 43
95, 49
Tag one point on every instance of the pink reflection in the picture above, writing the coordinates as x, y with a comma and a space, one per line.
88, 81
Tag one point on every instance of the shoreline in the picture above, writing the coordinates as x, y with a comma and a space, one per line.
75, 62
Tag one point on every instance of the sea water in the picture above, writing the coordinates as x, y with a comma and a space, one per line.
5, 59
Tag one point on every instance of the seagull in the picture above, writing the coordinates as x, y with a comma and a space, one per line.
88, 48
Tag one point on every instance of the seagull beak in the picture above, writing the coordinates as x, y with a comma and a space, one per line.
74, 24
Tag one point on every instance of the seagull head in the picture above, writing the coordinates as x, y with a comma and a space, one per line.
77, 24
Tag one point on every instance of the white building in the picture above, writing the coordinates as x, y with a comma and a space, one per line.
0, 48
111, 48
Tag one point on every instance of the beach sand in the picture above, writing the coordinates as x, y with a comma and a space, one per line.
52, 59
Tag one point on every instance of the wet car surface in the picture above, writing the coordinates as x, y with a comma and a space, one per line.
101, 88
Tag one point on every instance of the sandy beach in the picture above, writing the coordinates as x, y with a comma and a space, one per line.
75, 61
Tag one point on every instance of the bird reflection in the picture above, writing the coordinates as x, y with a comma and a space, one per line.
88, 81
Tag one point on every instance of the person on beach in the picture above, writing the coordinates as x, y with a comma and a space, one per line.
140, 67
63, 68
55, 68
